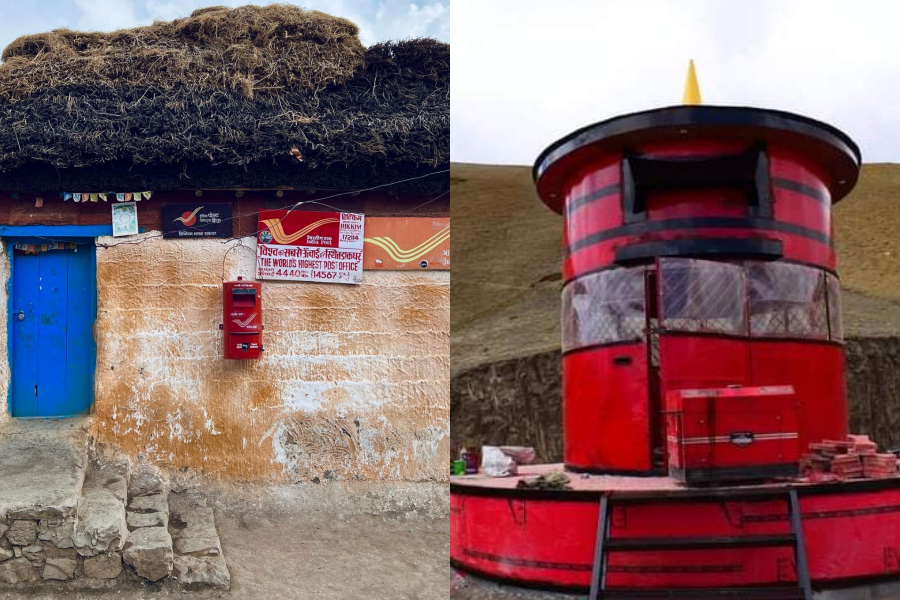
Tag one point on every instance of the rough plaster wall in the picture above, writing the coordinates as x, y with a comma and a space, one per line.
4, 363
354, 379
514, 402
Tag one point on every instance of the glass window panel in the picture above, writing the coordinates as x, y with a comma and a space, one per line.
603, 307
703, 296
834, 307
787, 301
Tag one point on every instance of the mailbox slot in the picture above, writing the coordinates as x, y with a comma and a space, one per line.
243, 297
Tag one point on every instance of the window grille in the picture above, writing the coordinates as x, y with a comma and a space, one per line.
703, 296
604, 307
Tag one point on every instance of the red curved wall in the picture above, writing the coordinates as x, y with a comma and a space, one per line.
849, 535
606, 408
605, 426
595, 226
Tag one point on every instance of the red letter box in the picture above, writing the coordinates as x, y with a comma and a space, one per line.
731, 434
243, 319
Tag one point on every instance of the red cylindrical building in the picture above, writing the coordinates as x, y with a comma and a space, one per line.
698, 254
702, 343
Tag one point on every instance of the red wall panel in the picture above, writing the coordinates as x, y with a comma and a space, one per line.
606, 408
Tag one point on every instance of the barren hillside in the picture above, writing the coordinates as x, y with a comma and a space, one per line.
505, 292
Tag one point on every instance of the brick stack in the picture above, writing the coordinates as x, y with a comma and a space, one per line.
847, 466
879, 466
855, 457
862, 444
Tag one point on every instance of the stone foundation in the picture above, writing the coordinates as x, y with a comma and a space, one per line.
118, 533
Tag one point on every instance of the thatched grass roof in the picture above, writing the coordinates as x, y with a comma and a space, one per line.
219, 99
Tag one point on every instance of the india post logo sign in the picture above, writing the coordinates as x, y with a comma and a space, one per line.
192, 220
412, 243
310, 246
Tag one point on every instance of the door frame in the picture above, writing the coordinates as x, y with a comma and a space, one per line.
35, 234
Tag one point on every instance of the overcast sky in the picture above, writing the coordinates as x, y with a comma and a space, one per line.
378, 19
527, 72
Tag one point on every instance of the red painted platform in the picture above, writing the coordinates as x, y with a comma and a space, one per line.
546, 538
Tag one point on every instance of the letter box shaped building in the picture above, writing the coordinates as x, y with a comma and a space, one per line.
242, 304
700, 291
698, 254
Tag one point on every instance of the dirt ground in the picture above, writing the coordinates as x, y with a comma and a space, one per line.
309, 541
465, 587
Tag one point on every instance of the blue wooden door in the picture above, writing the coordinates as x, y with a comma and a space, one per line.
52, 333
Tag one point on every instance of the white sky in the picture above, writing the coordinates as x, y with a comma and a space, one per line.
527, 72
378, 20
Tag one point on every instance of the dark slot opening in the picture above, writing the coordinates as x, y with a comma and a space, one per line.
747, 171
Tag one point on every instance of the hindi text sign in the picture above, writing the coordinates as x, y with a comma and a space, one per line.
310, 246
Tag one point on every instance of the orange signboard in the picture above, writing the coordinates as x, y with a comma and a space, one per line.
413, 243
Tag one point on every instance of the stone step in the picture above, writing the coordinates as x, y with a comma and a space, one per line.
198, 552
42, 473
101, 525
148, 550
94, 526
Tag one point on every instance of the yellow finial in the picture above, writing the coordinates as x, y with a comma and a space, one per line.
691, 87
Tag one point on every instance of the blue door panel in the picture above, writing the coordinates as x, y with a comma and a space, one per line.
52, 347
80, 341
23, 390
53, 293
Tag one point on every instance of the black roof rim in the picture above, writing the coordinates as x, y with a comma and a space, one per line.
690, 115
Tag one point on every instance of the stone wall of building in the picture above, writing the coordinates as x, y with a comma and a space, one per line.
352, 383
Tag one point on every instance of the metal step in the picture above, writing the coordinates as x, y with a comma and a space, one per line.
802, 590
757, 593
700, 543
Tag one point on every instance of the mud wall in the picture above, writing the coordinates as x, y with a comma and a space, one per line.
873, 388
518, 401
352, 384
511, 402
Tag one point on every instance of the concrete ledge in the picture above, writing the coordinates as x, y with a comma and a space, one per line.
397, 499
42, 469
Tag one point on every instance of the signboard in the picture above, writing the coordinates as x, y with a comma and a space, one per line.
197, 220
407, 243
310, 246
124, 219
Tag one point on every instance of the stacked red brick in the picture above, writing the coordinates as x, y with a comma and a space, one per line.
855, 457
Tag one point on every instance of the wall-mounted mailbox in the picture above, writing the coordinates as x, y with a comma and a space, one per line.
243, 327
